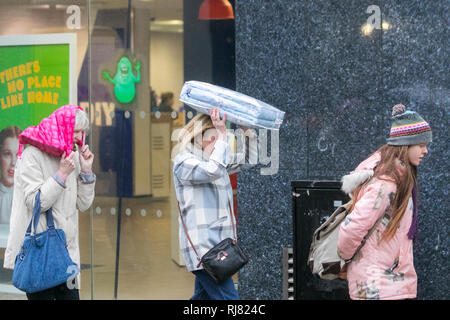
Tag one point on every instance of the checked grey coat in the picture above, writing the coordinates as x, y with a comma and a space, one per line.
204, 192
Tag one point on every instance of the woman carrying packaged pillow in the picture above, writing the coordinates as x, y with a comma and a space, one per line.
385, 192
66, 183
203, 189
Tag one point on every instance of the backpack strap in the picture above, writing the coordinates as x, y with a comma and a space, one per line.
363, 242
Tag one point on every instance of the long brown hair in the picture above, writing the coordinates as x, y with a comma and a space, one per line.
387, 168
8, 132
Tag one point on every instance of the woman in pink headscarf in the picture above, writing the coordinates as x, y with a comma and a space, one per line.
59, 165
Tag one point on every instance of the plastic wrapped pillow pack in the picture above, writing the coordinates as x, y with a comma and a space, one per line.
240, 108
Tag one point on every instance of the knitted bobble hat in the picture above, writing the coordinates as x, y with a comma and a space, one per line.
408, 128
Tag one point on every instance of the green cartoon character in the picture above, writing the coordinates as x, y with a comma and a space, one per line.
124, 80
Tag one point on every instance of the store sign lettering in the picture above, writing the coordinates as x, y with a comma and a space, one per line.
26, 76
74, 20
101, 113
374, 20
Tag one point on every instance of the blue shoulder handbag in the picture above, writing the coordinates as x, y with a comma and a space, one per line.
43, 261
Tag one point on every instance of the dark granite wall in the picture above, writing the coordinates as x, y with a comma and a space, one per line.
337, 87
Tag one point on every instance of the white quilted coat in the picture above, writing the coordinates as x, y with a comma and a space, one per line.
34, 171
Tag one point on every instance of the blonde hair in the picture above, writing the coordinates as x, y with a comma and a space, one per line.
196, 127
81, 120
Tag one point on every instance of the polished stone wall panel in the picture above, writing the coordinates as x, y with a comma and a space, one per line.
337, 87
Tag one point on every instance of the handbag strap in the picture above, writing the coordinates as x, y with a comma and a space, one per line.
37, 213
189, 238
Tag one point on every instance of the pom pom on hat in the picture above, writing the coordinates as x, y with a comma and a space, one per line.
398, 109
408, 128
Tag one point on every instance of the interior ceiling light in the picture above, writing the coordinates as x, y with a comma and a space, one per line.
366, 29
215, 10
168, 22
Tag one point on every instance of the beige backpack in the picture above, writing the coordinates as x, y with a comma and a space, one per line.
323, 258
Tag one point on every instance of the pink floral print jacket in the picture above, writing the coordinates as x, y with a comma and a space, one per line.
381, 270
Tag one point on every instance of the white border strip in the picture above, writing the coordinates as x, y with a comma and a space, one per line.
8, 288
51, 38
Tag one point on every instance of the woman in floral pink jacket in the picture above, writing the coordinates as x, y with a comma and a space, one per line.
384, 188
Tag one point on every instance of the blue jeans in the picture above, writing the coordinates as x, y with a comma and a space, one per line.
207, 289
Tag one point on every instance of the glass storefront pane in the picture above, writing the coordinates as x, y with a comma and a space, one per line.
129, 72
42, 48
136, 74
128, 62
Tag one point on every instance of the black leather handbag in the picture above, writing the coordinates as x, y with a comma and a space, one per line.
224, 259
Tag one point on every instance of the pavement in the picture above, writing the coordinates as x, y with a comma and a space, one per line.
12, 296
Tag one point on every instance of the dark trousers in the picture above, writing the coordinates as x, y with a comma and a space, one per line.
61, 292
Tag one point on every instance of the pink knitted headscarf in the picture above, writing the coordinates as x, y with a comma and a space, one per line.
54, 135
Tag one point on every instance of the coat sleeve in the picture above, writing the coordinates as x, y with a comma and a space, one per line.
368, 209
33, 181
85, 192
195, 171
246, 160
